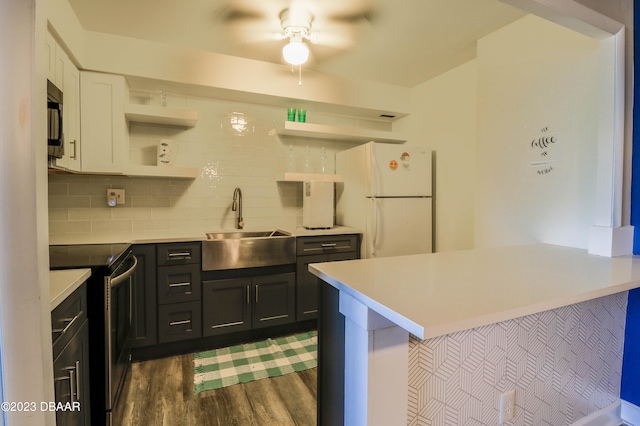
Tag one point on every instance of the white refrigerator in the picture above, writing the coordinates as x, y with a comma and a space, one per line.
386, 193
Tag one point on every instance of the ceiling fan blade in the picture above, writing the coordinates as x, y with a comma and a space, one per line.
368, 15
230, 14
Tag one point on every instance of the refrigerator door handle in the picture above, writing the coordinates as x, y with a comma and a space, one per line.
373, 167
374, 237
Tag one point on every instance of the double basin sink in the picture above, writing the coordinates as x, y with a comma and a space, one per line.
240, 249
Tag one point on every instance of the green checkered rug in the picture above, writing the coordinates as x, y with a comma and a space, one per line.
244, 363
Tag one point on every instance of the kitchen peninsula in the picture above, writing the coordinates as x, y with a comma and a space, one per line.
437, 338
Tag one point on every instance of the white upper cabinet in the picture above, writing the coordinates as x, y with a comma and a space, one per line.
105, 140
64, 74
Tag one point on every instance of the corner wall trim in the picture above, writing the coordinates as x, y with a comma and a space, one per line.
630, 413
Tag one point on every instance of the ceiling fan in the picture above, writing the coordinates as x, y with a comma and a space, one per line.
330, 26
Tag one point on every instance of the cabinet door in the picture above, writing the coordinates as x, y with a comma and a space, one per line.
71, 115
71, 380
274, 300
145, 322
50, 44
105, 143
307, 288
226, 306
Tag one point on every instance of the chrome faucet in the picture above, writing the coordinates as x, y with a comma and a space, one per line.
237, 206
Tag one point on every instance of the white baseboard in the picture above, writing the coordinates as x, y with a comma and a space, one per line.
608, 416
630, 413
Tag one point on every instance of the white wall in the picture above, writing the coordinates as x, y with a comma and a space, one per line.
444, 117
536, 80
25, 325
480, 119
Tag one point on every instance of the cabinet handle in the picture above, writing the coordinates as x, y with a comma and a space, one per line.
273, 318
69, 322
73, 142
248, 300
183, 322
257, 285
180, 284
185, 254
231, 324
329, 245
73, 381
72, 384
78, 392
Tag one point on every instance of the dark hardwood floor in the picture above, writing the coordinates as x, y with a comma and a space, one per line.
161, 392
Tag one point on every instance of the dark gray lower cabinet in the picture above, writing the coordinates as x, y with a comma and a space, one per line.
70, 338
145, 321
179, 287
240, 304
71, 380
316, 250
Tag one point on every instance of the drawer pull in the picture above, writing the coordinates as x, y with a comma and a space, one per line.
180, 254
231, 324
273, 318
69, 322
180, 284
183, 322
329, 245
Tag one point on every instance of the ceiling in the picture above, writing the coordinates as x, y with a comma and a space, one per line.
401, 42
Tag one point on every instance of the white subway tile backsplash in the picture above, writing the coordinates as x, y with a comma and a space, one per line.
90, 213
116, 226
58, 201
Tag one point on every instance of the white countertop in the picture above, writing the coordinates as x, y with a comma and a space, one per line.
64, 282
301, 231
298, 231
431, 295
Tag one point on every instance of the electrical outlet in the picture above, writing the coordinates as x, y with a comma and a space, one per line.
115, 196
507, 406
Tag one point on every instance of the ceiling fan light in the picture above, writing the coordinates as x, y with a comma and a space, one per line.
295, 53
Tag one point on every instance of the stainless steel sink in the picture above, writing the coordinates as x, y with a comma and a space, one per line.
232, 235
247, 249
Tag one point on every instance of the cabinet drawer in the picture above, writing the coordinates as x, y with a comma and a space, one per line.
326, 244
179, 283
179, 253
179, 321
67, 318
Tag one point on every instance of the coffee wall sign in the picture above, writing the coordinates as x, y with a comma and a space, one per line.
544, 151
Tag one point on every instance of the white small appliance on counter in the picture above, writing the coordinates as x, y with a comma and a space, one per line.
317, 204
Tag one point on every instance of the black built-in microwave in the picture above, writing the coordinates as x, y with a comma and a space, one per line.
55, 135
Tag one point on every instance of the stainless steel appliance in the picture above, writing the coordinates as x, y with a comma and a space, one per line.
55, 135
110, 312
